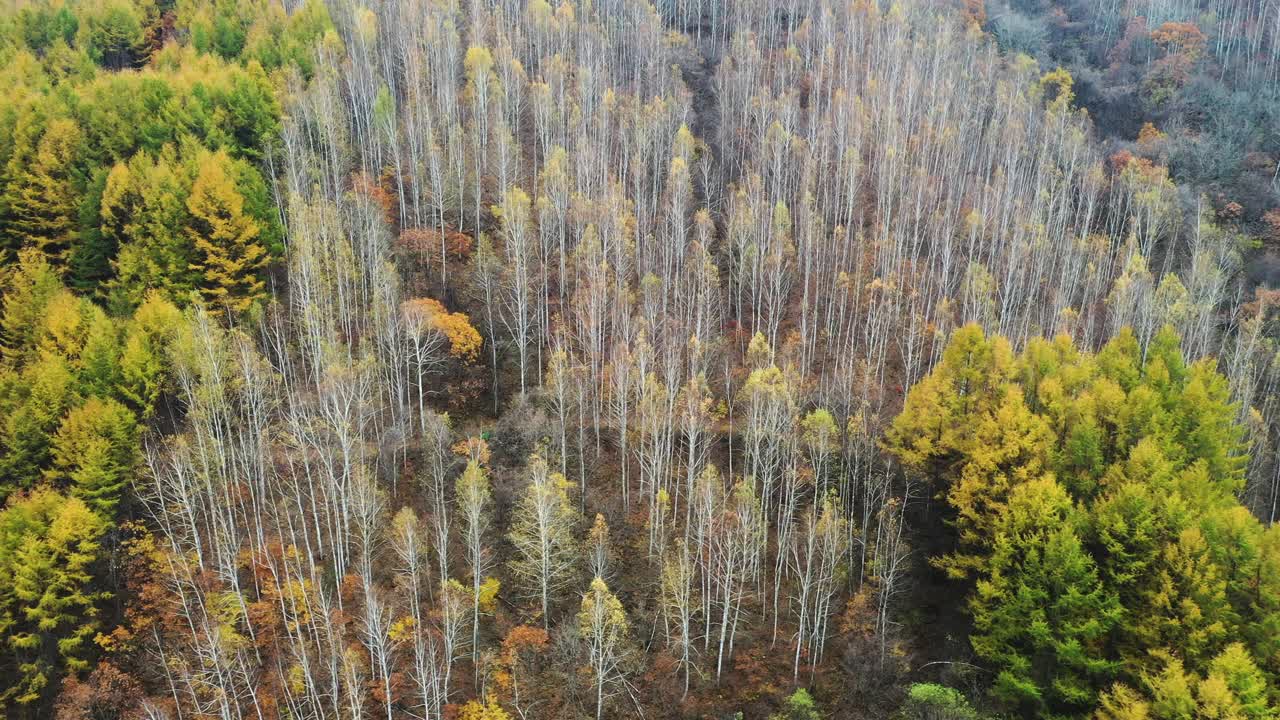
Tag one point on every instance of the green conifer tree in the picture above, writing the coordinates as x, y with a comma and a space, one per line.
95, 453
48, 608
41, 198
1041, 615
229, 259
29, 286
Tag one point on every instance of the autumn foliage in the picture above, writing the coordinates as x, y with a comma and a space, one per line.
464, 341
482, 361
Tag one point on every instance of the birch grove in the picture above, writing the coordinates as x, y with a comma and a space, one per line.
708, 246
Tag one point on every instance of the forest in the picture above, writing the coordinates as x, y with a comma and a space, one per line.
510, 360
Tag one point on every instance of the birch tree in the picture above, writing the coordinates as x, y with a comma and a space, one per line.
599, 549
409, 541
680, 605
543, 535
819, 557
473, 497
736, 563
603, 626
520, 295
437, 460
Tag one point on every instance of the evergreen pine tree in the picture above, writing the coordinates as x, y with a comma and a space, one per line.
95, 452
29, 286
1041, 615
41, 200
144, 212
89, 260
38, 399
48, 609
229, 259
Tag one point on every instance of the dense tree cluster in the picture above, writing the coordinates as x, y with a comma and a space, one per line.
75, 388
141, 179
1093, 499
506, 359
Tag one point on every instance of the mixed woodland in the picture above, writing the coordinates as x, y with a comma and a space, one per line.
498, 359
